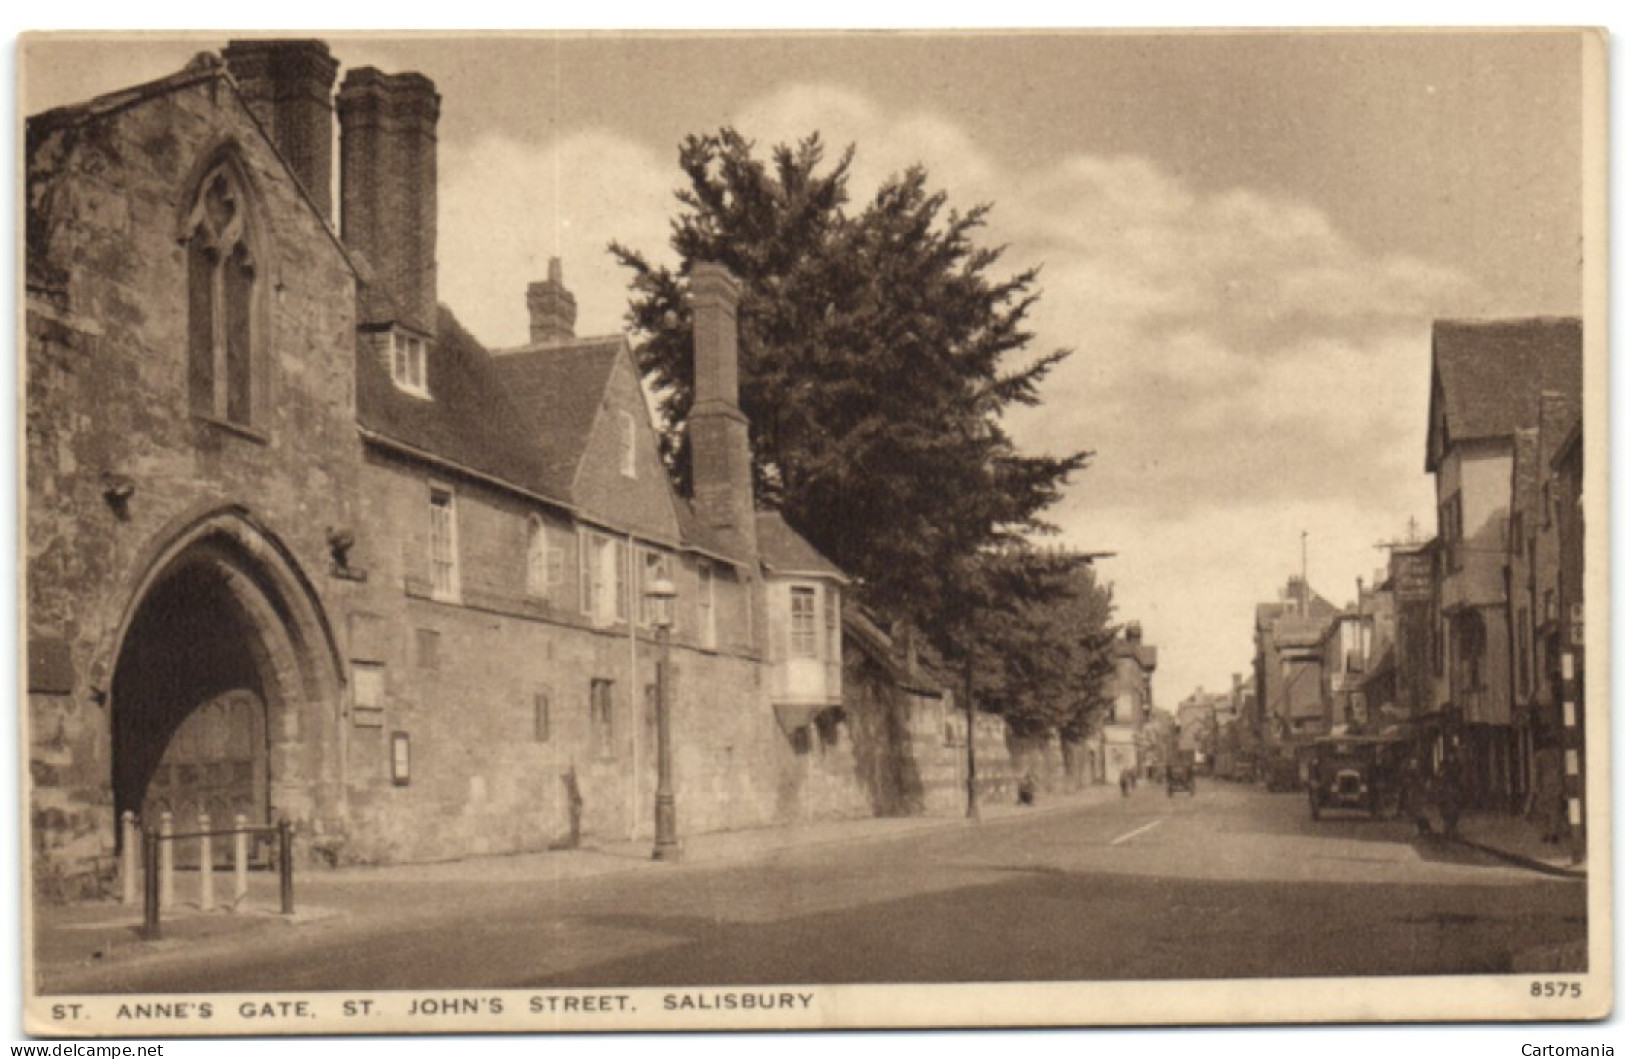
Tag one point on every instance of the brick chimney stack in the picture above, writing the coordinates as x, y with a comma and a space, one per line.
718, 433
552, 307
288, 85
387, 185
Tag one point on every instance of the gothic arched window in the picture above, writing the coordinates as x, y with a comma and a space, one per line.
222, 283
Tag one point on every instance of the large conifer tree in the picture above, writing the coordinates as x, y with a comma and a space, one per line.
879, 352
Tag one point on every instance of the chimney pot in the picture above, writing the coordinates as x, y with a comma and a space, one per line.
552, 307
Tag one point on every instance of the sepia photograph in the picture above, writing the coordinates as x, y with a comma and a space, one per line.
609, 531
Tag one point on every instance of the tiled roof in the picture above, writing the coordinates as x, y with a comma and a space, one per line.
703, 538
879, 645
469, 418
559, 389
1295, 631
1488, 375
785, 551
524, 417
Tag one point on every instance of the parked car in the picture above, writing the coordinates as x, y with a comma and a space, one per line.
1355, 772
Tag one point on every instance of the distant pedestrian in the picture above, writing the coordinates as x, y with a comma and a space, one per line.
1413, 793
1452, 790
1125, 782
1547, 808
1027, 790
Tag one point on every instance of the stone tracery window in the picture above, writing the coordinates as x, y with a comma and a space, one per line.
222, 282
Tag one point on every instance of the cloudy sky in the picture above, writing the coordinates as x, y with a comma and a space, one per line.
1243, 237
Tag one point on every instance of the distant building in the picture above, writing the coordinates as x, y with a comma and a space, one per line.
1129, 691
1197, 719
1287, 663
1533, 547
1487, 382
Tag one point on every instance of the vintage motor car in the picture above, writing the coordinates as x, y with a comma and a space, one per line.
1180, 774
1354, 772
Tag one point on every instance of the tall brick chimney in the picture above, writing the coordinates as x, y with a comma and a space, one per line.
387, 186
288, 85
552, 307
718, 433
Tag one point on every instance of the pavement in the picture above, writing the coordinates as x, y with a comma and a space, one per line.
102, 933
76, 938
1517, 841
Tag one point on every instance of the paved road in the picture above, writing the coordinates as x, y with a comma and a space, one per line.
1231, 883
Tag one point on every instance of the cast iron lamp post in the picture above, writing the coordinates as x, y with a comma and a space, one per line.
661, 593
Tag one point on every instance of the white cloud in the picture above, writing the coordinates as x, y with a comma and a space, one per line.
506, 207
1245, 370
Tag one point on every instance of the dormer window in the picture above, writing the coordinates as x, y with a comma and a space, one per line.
408, 365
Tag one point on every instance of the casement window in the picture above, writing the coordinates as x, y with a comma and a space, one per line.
544, 561
603, 577
444, 581
223, 284
408, 363
706, 606
653, 565
601, 719
803, 622
629, 445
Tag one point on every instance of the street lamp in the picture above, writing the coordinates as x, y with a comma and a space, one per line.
661, 593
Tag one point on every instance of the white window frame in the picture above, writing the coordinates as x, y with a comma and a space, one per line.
408, 363
652, 563
629, 445
603, 577
443, 553
804, 621
544, 560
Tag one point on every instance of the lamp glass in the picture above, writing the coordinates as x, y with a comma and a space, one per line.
661, 592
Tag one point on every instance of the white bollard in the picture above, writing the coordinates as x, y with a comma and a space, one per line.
205, 867
240, 855
166, 860
132, 858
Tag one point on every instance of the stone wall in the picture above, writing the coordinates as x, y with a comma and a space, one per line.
118, 465
464, 680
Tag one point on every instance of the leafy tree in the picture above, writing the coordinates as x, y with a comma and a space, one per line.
1040, 646
876, 348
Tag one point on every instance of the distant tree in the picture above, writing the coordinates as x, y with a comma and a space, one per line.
1038, 645
876, 348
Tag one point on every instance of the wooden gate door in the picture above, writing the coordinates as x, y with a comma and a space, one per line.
215, 763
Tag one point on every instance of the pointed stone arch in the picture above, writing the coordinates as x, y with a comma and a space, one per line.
223, 675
